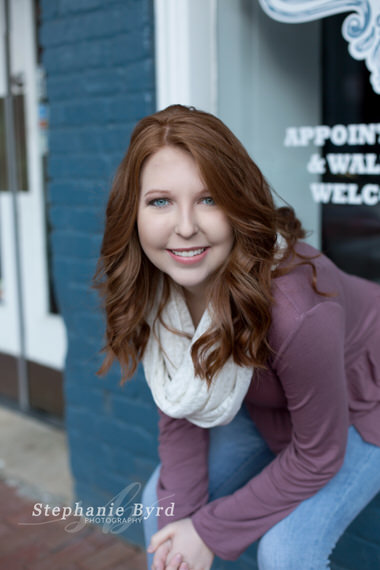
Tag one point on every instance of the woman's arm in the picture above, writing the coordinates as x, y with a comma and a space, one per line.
310, 367
183, 481
183, 450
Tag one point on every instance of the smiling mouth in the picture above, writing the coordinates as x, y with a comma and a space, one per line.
188, 252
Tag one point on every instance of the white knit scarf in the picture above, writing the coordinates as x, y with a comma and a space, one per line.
169, 371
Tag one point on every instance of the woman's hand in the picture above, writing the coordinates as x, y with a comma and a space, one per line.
184, 548
161, 555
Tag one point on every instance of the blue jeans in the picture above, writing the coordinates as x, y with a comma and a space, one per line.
304, 539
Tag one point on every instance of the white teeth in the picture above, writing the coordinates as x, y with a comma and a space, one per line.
189, 253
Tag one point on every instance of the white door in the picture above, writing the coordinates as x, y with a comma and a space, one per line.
43, 329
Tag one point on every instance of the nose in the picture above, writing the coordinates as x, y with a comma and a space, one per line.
186, 223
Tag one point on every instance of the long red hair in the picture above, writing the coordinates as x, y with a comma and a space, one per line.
241, 295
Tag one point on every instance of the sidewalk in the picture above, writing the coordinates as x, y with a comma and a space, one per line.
34, 468
50, 547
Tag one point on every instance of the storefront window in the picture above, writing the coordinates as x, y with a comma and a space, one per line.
20, 139
302, 92
350, 231
266, 83
3, 148
43, 126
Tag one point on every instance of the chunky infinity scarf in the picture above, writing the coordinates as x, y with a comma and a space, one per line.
170, 373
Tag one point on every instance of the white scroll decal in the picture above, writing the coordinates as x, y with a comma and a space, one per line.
361, 29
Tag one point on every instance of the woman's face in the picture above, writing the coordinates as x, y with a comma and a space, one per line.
181, 229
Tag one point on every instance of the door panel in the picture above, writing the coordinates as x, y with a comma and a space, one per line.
44, 331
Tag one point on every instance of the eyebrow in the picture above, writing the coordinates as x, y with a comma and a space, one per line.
156, 191
163, 192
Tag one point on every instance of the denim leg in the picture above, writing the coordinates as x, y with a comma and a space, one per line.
305, 539
237, 453
149, 498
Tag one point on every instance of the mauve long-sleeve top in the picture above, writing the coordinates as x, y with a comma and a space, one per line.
323, 377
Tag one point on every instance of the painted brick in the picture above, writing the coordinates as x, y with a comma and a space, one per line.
136, 413
92, 399
137, 10
84, 374
98, 497
124, 109
74, 57
87, 339
76, 244
81, 419
106, 80
116, 139
87, 446
112, 483
82, 298
87, 54
115, 19
100, 80
50, 9
86, 324
69, 141
81, 469
137, 468
76, 193
136, 389
92, 139
68, 303
80, 219
132, 47
121, 435
120, 460
73, 6
85, 166
73, 270
84, 359
79, 112
92, 496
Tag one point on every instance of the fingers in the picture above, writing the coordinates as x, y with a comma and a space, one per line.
175, 562
160, 556
160, 537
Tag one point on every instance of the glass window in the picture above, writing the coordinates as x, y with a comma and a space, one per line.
350, 232
20, 139
307, 112
266, 83
20, 135
3, 147
43, 119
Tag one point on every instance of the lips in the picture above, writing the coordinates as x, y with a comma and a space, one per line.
188, 252
188, 256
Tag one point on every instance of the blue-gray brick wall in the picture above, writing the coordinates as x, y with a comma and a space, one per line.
99, 58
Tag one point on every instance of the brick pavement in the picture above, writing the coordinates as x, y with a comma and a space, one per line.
50, 547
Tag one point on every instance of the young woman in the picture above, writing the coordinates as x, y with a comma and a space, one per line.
261, 355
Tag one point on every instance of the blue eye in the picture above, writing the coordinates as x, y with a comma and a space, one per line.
209, 201
159, 202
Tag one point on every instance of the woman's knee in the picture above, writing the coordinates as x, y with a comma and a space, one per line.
289, 551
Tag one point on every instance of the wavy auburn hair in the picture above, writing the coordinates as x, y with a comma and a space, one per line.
241, 297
